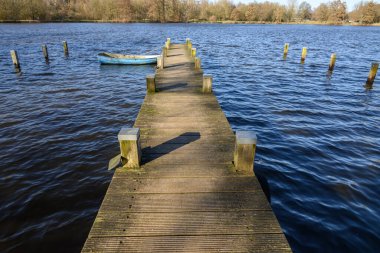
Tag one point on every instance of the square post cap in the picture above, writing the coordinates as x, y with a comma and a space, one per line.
128, 134
246, 137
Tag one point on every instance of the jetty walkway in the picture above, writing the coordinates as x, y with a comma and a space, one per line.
183, 192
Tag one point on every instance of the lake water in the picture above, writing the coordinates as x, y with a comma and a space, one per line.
318, 154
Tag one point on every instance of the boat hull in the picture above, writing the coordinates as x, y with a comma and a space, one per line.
129, 60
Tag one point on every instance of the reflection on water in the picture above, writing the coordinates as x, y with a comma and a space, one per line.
318, 151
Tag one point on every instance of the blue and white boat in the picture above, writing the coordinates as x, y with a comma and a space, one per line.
121, 59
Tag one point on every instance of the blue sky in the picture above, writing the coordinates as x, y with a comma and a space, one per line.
314, 3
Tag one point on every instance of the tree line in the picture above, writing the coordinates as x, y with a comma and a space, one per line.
334, 12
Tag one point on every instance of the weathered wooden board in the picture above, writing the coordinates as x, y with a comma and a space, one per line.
187, 196
257, 243
185, 185
188, 202
123, 223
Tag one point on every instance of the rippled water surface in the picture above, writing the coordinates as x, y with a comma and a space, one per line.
318, 154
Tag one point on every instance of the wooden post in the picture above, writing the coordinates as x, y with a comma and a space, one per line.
286, 49
332, 62
150, 83
245, 149
207, 84
65, 48
193, 52
16, 62
304, 53
159, 62
130, 148
372, 74
187, 42
189, 47
197, 63
45, 52
168, 43
165, 52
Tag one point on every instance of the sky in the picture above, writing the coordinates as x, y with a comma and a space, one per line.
313, 3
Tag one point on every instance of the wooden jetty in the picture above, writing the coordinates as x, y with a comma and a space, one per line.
183, 193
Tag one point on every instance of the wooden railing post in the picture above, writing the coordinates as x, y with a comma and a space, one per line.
245, 149
16, 62
130, 149
193, 52
207, 84
189, 47
159, 62
165, 51
151, 83
197, 63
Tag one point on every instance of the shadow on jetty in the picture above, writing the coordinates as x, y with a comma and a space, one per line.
149, 154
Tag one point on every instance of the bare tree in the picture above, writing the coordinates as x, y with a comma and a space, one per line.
321, 13
304, 11
338, 11
292, 9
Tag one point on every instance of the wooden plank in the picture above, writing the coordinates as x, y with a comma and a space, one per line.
200, 158
192, 148
185, 185
187, 119
179, 124
179, 111
202, 141
187, 202
177, 170
257, 243
184, 131
122, 223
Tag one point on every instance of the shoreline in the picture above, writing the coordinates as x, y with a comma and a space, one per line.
189, 22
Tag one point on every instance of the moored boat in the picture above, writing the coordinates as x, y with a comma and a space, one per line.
121, 59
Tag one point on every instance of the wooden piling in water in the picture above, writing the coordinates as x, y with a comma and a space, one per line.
45, 52
15, 60
150, 83
372, 74
65, 48
245, 149
286, 48
332, 62
197, 63
207, 84
130, 149
303, 56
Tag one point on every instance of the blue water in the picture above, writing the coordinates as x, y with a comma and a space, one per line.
318, 155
